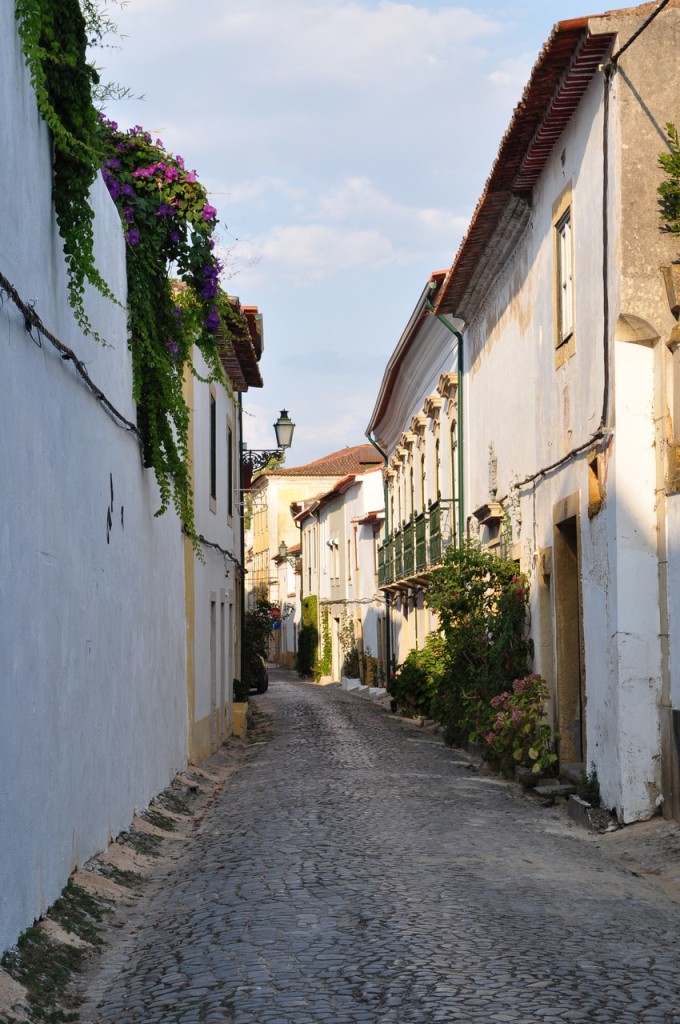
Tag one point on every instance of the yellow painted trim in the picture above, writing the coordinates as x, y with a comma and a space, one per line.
200, 741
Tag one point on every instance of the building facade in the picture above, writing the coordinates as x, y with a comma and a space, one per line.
563, 300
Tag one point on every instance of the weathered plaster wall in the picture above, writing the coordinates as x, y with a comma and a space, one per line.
92, 651
534, 412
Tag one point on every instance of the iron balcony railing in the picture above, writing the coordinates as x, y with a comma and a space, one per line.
419, 545
409, 537
421, 541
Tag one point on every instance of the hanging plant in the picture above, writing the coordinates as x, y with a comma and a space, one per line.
54, 38
168, 223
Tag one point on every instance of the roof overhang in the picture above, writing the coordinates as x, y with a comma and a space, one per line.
565, 68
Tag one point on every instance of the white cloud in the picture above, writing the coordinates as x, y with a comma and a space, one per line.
309, 252
350, 41
350, 226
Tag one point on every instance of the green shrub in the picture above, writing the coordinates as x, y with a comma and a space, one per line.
518, 733
481, 602
308, 639
418, 679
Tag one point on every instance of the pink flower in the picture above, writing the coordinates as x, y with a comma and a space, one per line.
190, 176
490, 737
516, 715
209, 212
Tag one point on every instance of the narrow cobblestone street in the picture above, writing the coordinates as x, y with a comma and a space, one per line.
357, 871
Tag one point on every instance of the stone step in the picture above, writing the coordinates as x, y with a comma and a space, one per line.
552, 790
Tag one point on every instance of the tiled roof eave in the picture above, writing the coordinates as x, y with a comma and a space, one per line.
564, 70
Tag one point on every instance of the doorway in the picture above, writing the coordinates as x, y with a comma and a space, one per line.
571, 694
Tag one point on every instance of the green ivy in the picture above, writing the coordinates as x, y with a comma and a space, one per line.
324, 666
669, 190
168, 223
54, 39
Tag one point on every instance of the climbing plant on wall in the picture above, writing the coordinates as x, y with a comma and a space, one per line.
168, 224
54, 39
669, 189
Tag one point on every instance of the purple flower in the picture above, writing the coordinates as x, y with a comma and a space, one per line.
209, 212
172, 347
165, 210
190, 176
212, 321
128, 189
174, 237
132, 236
129, 214
112, 184
121, 147
171, 173
180, 161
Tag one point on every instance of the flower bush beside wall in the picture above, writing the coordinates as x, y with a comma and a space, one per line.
519, 734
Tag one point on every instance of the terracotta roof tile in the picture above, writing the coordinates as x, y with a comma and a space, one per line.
342, 463
561, 75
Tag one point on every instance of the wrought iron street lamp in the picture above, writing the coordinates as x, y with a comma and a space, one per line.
255, 459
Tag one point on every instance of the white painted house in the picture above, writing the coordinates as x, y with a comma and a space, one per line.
340, 531
92, 629
567, 423
214, 580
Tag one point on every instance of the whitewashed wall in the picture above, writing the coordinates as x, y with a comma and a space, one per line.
92, 634
535, 413
214, 646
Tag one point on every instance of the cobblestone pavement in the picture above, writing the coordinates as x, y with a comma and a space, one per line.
357, 871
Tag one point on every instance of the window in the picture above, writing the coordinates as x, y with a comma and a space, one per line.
565, 281
230, 472
213, 452
563, 272
423, 487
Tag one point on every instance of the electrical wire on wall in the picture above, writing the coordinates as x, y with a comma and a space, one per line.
32, 322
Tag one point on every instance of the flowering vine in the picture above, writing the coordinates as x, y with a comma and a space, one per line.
169, 225
169, 229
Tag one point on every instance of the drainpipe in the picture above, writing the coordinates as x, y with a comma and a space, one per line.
242, 503
461, 460
388, 625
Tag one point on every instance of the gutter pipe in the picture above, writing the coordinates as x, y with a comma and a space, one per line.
388, 624
461, 459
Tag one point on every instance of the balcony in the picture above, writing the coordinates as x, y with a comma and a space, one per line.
407, 558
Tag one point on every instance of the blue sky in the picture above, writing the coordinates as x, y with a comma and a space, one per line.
345, 144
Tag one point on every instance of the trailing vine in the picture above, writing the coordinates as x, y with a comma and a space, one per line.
168, 223
669, 190
54, 39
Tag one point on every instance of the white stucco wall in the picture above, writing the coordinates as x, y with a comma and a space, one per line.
216, 578
92, 633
